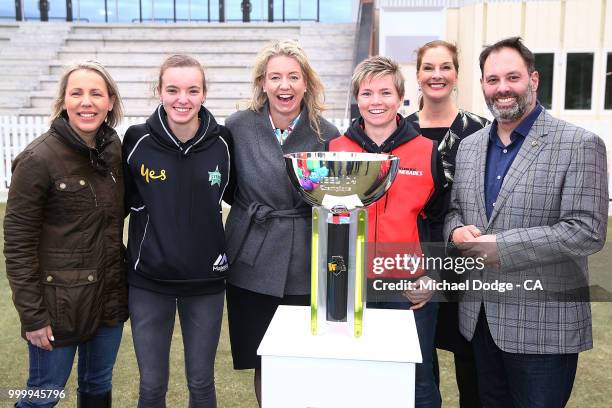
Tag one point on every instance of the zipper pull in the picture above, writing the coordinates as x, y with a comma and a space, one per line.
113, 177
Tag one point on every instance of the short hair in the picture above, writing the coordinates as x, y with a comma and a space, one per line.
374, 67
114, 116
314, 98
515, 43
180, 61
452, 48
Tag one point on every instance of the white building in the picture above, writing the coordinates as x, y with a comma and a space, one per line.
572, 40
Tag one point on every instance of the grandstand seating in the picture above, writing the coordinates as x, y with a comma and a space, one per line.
33, 54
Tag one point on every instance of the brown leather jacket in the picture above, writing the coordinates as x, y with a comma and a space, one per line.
63, 234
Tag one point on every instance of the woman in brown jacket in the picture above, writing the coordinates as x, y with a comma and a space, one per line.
63, 242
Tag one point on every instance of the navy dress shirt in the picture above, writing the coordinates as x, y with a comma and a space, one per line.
500, 157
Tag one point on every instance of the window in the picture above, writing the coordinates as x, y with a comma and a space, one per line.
163, 11
123, 11
579, 80
93, 11
545, 64
338, 11
7, 11
608, 94
31, 10
57, 10
197, 11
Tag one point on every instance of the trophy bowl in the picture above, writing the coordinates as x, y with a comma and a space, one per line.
341, 181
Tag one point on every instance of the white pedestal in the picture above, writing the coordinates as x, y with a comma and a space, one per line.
336, 370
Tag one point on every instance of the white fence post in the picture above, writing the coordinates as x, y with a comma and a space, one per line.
15, 145
4, 145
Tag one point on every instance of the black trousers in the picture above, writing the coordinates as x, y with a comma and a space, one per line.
448, 338
467, 379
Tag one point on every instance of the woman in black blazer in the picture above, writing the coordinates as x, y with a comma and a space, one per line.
440, 119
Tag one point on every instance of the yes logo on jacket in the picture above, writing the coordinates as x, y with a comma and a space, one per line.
150, 174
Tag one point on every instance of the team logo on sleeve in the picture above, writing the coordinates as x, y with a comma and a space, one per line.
221, 264
215, 177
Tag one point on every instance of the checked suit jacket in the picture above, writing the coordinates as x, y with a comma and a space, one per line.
550, 214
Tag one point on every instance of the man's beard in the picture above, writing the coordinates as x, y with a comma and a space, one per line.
514, 112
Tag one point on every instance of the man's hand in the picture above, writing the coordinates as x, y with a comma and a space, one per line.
464, 234
41, 338
484, 246
419, 296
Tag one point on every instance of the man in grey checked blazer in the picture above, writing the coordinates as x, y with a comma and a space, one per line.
530, 195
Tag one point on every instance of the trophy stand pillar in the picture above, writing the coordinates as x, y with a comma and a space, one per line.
336, 370
338, 270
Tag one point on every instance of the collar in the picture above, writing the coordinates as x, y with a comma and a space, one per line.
160, 129
404, 133
281, 134
97, 156
62, 124
522, 129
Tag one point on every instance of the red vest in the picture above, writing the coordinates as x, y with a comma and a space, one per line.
394, 217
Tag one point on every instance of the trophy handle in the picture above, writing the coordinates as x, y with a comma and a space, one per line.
362, 223
314, 272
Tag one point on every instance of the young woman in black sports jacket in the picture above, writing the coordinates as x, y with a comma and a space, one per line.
177, 169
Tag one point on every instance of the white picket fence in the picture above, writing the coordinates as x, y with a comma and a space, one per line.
17, 132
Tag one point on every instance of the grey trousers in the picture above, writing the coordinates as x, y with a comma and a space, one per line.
152, 318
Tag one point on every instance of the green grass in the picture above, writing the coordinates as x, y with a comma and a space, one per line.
234, 388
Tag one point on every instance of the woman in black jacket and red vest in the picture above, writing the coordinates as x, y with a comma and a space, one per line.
63, 234
402, 219
177, 169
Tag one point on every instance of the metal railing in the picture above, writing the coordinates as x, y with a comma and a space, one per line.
112, 9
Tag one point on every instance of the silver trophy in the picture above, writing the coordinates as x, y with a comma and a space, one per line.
339, 185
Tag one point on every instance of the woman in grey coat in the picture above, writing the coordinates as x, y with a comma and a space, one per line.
268, 228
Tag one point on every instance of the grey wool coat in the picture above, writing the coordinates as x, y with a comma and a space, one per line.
269, 225
551, 213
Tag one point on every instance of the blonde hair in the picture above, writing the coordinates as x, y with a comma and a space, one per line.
313, 98
180, 61
114, 116
374, 67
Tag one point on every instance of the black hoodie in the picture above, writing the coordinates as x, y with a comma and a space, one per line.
404, 133
176, 242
